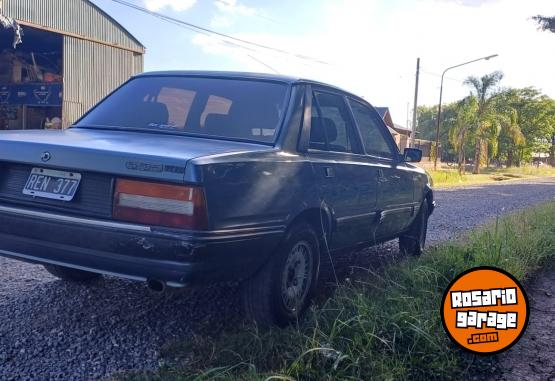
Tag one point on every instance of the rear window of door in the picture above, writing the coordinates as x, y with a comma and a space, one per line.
371, 131
331, 128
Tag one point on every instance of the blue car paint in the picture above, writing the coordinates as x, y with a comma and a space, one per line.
115, 152
254, 193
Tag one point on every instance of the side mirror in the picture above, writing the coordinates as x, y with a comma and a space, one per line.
412, 155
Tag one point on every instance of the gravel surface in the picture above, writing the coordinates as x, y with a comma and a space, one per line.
53, 330
460, 209
533, 357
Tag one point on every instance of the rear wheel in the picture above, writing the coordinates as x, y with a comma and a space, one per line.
413, 242
69, 274
281, 291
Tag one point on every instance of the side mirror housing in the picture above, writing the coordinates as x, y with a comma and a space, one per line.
412, 155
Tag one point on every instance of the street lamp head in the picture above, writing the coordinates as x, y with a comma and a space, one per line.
492, 56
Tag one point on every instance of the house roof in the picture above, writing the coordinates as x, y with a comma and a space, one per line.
382, 111
399, 127
392, 131
385, 114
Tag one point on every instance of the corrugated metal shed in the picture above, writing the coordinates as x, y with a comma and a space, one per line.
91, 71
80, 18
99, 54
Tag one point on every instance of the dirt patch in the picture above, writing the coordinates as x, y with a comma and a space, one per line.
533, 357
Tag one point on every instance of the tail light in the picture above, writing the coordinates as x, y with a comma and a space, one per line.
176, 206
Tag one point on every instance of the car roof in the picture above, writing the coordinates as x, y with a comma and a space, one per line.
239, 75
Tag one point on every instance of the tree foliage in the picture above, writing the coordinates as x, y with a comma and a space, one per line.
466, 111
545, 23
503, 126
488, 121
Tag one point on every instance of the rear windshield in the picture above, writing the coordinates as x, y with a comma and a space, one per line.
227, 108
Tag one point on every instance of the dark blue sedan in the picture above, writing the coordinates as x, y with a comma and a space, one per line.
180, 178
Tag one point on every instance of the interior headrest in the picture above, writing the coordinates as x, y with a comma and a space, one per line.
320, 127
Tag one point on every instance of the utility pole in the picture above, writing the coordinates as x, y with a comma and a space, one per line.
415, 106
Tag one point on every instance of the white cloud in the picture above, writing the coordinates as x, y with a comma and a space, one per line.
220, 21
373, 47
233, 7
176, 5
229, 11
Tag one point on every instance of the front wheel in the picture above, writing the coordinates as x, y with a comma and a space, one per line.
281, 291
413, 242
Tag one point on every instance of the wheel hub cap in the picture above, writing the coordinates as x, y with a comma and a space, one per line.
297, 276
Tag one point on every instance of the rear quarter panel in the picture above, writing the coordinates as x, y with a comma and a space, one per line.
258, 189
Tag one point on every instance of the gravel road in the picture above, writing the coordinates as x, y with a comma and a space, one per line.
533, 357
52, 330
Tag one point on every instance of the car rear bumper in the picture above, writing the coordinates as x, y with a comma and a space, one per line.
174, 257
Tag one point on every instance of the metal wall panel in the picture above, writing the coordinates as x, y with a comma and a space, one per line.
74, 16
92, 71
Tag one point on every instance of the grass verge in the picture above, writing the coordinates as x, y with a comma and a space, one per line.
376, 326
449, 177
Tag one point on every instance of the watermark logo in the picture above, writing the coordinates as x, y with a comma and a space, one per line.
485, 310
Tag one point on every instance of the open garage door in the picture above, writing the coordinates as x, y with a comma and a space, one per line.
31, 80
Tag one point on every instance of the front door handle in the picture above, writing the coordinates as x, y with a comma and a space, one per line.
329, 172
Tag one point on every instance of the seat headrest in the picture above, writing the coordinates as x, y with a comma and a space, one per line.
320, 127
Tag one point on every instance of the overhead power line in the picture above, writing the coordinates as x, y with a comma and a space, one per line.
439, 75
229, 40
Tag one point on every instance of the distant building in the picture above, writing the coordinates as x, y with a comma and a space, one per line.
400, 134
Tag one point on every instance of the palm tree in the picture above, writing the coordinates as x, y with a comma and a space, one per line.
487, 123
509, 118
466, 110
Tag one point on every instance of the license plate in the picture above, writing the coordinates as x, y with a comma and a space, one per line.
47, 183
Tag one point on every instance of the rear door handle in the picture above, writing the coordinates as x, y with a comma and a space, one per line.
329, 172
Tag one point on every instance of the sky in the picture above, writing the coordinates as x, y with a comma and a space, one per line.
368, 47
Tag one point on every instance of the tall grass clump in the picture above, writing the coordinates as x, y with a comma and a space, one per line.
381, 325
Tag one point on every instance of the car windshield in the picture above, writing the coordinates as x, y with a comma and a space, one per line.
227, 108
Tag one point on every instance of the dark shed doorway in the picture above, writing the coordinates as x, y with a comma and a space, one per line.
31, 80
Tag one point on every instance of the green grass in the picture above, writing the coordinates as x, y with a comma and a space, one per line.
449, 177
382, 325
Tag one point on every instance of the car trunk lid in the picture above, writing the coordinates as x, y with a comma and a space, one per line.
135, 154
99, 156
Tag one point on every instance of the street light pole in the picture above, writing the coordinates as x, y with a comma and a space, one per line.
415, 106
440, 98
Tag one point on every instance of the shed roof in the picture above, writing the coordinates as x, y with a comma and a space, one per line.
76, 18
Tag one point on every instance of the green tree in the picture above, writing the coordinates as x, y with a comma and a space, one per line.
466, 110
427, 125
511, 139
488, 126
548, 24
533, 124
545, 23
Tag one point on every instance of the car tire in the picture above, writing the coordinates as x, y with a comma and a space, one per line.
413, 242
71, 275
282, 290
